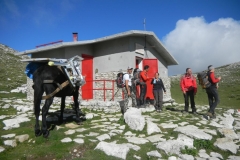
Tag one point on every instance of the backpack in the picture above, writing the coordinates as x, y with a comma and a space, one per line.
136, 76
203, 79
119, 80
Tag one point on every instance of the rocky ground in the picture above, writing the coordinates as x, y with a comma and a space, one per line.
142, 126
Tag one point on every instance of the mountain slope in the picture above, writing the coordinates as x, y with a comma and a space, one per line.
11, 69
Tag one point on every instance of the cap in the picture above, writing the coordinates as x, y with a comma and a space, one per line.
210, 68
129, 68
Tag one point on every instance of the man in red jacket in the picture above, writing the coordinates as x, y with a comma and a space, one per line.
189, 88
212, 92
143, 86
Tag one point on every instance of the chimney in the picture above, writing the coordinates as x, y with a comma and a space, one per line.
75, 37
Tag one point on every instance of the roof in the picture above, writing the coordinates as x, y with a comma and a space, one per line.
151, 38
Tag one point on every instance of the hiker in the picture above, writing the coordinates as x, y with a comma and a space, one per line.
158, 88
212, 92
189, 88
136, 83
127, 89
143, 86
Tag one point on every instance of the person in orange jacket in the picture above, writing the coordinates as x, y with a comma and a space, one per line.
189, 88
212, 92
143, 86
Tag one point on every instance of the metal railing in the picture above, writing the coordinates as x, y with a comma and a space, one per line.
103, 88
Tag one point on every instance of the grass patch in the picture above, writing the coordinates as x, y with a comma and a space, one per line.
189, 151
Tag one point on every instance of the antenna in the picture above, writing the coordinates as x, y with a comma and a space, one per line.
144, 24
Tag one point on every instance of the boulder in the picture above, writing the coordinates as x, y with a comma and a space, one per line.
133, 117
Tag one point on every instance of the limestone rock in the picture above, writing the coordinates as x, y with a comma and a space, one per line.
168, 125
103, 137
228, 133
233, 158
69, 132
8, 135
152, 128
89, 116
71, 125
156, 138
154, 154
174, 146
137, 140
186, 157
78, 140
22, 138
133, 117
217, 155
226, 144
194, 132
112, 149
12, 143
65, 140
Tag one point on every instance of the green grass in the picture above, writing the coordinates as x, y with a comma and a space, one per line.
52, 148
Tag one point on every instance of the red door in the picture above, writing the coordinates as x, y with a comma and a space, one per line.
87, 71
153, 68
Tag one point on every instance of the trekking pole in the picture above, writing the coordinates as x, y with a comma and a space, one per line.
114, 94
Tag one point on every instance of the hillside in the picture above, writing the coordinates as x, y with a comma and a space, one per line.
229, 87
11, 69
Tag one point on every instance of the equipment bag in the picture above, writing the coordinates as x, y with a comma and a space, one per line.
203, 79
136, 76
119, 80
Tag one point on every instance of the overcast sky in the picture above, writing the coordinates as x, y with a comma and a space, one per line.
196, 32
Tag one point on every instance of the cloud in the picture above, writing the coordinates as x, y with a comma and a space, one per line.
196, 43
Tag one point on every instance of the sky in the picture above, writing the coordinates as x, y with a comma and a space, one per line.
196, 33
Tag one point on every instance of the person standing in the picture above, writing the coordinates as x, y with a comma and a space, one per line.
143, 86
212, 92
127, 89
189, 88
158, 88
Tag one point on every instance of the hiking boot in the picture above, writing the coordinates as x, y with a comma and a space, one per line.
184, 112
210, 114
194, 112
214, 116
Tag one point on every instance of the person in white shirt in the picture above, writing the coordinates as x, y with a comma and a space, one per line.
127, 89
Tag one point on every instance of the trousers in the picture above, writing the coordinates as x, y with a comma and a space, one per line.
186, 99
132, 95
158, 98
213, 98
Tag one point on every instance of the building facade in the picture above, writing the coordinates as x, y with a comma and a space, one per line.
104, 57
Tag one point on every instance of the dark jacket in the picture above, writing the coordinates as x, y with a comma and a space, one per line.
158, 84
